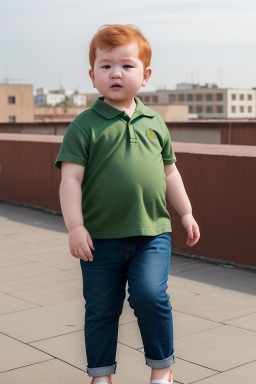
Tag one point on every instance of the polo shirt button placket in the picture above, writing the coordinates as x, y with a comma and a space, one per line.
132, 134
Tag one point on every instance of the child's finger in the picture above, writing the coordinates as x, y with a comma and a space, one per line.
190, 232
90, 242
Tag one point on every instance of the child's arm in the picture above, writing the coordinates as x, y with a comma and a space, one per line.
80, 240
177, 196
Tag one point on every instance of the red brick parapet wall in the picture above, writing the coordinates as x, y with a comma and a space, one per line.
219, 179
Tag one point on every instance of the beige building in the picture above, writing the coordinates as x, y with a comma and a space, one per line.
207, 101
16, 103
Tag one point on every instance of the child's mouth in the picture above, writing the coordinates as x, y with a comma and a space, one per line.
116, 86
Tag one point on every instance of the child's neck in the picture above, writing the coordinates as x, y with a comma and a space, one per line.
126, 106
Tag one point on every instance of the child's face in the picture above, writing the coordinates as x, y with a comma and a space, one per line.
118, 74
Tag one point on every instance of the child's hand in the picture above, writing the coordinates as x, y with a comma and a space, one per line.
80, 243
192, 228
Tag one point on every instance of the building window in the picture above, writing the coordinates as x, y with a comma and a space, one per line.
190, 109
209, 96
11, 99
250, 108
249, 97
146, 99
172, 98
181, 97
233, 109
208, 109
199, 97
190, 97
199, 109
219, 97
241, 97
233, 96
155, 99
241, 108
12, 119
219, 109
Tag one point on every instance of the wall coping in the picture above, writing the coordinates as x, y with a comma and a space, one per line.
215, 149
200, 123
196, 148
30, 138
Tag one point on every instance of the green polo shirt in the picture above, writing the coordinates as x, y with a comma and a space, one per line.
124, 186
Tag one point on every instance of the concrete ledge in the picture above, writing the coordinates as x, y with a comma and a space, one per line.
219, 179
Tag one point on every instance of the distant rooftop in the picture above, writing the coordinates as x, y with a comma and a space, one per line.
182, 86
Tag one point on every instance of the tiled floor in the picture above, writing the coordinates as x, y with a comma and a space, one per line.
42, 312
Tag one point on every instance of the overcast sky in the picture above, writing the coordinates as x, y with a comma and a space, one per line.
45, 43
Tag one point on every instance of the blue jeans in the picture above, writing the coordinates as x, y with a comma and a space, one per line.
144, 261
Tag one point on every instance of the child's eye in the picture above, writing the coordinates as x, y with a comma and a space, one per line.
127, 66
106, 66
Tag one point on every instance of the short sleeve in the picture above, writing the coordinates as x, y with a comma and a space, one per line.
75, 146
168, 154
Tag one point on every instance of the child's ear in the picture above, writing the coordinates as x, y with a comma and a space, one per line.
91, 74
147, 74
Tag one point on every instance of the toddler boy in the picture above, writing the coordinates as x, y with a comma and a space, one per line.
117, 167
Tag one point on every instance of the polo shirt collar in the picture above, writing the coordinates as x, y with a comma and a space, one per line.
109, 112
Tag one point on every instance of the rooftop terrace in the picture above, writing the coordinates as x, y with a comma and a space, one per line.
42, 313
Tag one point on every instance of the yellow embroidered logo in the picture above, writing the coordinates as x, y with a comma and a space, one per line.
151, 134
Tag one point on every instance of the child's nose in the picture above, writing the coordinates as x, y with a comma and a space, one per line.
116, 74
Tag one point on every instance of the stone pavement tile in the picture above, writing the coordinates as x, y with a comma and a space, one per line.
33, 234
22, 271
127, 315
6, 241
245, 322
177, 259
15, 354
245, 291
11, 304
19, 252
61, 242
38, 281
219, 348
187, 265
44, 322
49, 246
69, 348
8, 227
185, 372
177, 294
191, 286
129, 334
9, 261
30, 216
213, 307
245, 374
184, 324
131, 366
53, 294
59, 258
49, 372
218, 276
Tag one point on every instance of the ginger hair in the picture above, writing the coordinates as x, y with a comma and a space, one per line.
112, 36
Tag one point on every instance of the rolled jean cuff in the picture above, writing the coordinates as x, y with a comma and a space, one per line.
101, 371
159, 364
